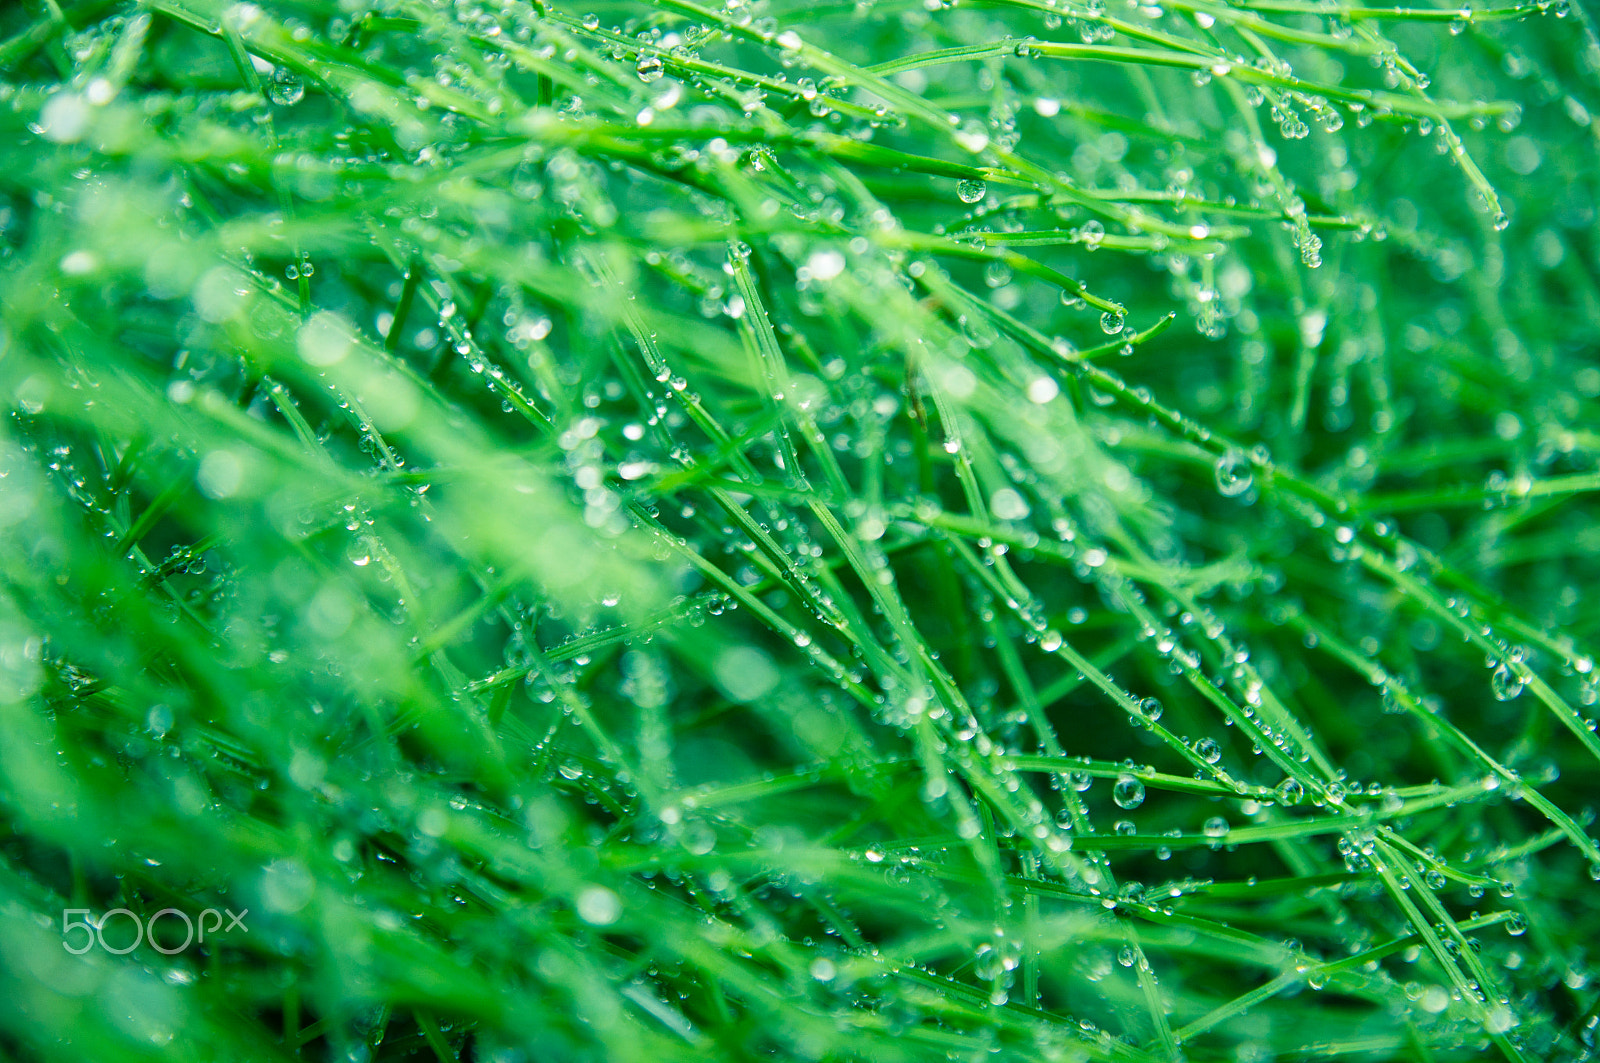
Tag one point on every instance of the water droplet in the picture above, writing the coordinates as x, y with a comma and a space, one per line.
159, 720
1128, 793
1233, 473
1290, 792
598, 906
1111, 322
1215, 827
971, 191
825, 265
1505, 684
286, 886
1310, 245
1208, 748
1042, 389
1150, 709
285, 88
649, 68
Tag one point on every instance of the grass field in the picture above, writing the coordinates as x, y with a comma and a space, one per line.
883, 531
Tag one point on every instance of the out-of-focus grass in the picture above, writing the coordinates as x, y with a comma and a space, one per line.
818, 531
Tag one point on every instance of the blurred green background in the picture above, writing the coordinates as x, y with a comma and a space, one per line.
894, 530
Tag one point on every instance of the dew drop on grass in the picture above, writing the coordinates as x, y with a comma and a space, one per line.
825, 265
1215, 827
1310, 245
159, 720
285, 88
286, 886
1150, 709
1290, 792
598, 906
1128, 793
971, 191
1209, 750
359, 553
649, 68
1111, 322
1233, 474
1505, 684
